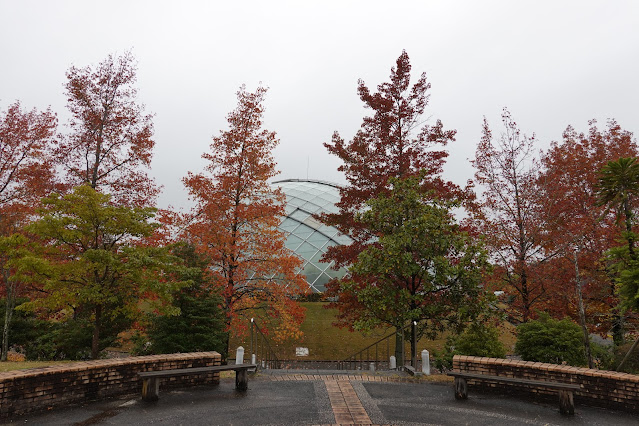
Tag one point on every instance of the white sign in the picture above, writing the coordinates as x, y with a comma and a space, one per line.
301, 351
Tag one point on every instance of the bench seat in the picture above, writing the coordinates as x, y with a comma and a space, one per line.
566, 401
151, 379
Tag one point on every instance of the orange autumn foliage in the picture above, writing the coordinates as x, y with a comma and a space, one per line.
235, 224
26, 168
26, 174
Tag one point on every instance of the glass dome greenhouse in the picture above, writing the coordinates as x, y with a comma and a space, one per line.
306, 236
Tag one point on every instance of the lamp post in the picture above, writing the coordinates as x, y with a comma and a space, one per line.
413, 345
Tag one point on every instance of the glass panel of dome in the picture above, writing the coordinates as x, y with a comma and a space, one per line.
327, 205
317, 239
329, 198
328, 244
335, 274
299, 215
306, 250
311, 272
288, 224
321, 281
316, 260
331, 209
294, 201
310, 207
295, 193
319, 203
292, 242
314, 191
329, 231
312, 222
303, 231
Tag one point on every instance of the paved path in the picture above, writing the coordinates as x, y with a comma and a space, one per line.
321, 399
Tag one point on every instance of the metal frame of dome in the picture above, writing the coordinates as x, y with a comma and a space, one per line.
306, 236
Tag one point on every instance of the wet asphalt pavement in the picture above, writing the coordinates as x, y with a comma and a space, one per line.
304, 400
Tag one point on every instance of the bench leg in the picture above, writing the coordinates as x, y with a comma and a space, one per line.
150, 389
241, 380
461, 388
566, 402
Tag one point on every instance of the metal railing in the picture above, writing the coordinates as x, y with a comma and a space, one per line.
265, 356
371, 354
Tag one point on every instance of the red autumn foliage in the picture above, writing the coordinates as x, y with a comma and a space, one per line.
235, 223
537, 215
110, 139
576, 223
392, 142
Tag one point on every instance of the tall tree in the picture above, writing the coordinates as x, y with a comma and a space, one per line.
26, 174
619, 189
392, 142
235, 222
93, 262
509, 213
422, 268
110, 139
579, 226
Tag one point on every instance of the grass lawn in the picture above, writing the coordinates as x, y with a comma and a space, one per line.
323, 340
23, 365
327, 342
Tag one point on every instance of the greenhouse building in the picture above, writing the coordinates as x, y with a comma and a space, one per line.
306, 236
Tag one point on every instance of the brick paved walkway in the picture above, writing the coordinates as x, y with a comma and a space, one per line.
347, 407
342, 377
345, 403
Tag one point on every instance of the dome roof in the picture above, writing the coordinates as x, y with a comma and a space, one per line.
306, 236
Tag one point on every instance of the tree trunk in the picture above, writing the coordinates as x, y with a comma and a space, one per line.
226, 342
95, 342
399, 348
625, 358
525, 296
10, 303
8, 315
227, 327
582, 314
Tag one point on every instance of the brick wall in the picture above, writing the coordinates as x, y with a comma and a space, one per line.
40, 388
599, 388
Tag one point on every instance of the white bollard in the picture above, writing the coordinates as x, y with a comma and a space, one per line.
393, 362
425, 362
239, 355
253, 358
371, 367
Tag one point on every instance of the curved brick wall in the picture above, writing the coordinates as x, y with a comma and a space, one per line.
600, 388
40, 388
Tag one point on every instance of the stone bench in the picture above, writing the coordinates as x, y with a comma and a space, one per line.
566, 402
151, 379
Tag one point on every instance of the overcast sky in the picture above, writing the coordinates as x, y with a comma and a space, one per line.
552, 63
